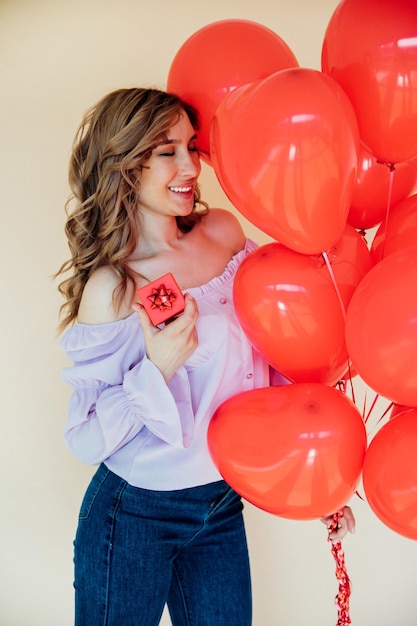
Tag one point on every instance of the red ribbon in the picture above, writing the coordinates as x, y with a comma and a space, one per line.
162, 298
343, 596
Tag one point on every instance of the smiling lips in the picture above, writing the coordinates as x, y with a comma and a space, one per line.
180, 189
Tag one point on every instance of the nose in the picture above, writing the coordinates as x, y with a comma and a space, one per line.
190, 165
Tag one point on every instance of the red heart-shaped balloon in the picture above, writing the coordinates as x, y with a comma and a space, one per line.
295, 451
292, 310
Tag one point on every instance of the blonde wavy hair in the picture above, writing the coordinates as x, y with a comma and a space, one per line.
114, 140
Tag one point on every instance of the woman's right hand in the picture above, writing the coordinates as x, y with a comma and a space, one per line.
168, 348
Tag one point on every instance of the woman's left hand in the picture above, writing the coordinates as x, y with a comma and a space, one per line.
346, 524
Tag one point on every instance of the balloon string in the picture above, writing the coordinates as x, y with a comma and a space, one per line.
374, 401
364, 403
332, 276
343, 596
389, 407
389, 198
384, 414
352, 388
342, 307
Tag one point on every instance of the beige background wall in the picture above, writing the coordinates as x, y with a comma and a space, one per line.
56, 58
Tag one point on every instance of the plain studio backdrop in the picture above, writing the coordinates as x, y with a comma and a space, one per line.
57, 57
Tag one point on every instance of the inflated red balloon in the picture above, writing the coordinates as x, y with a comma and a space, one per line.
285, 152
381, 328
378, 188
218, 58
390, 474
289, 306
370, 49
295, 451
398, 232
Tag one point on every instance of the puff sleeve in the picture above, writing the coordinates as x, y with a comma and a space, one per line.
118, 393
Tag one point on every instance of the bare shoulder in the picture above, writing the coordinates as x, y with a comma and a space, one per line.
225, 228
96, 305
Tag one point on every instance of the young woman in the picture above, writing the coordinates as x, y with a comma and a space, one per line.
157, 524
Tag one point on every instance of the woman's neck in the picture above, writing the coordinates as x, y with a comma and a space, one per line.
157, 236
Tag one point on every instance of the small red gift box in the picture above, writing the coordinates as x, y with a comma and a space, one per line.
162, 299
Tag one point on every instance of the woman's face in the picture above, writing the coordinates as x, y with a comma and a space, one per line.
168, 178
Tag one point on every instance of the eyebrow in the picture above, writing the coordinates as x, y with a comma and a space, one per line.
164, 142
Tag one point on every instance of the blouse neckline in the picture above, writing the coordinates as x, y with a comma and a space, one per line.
212, 285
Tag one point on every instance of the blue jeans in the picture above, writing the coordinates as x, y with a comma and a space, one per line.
137, 550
